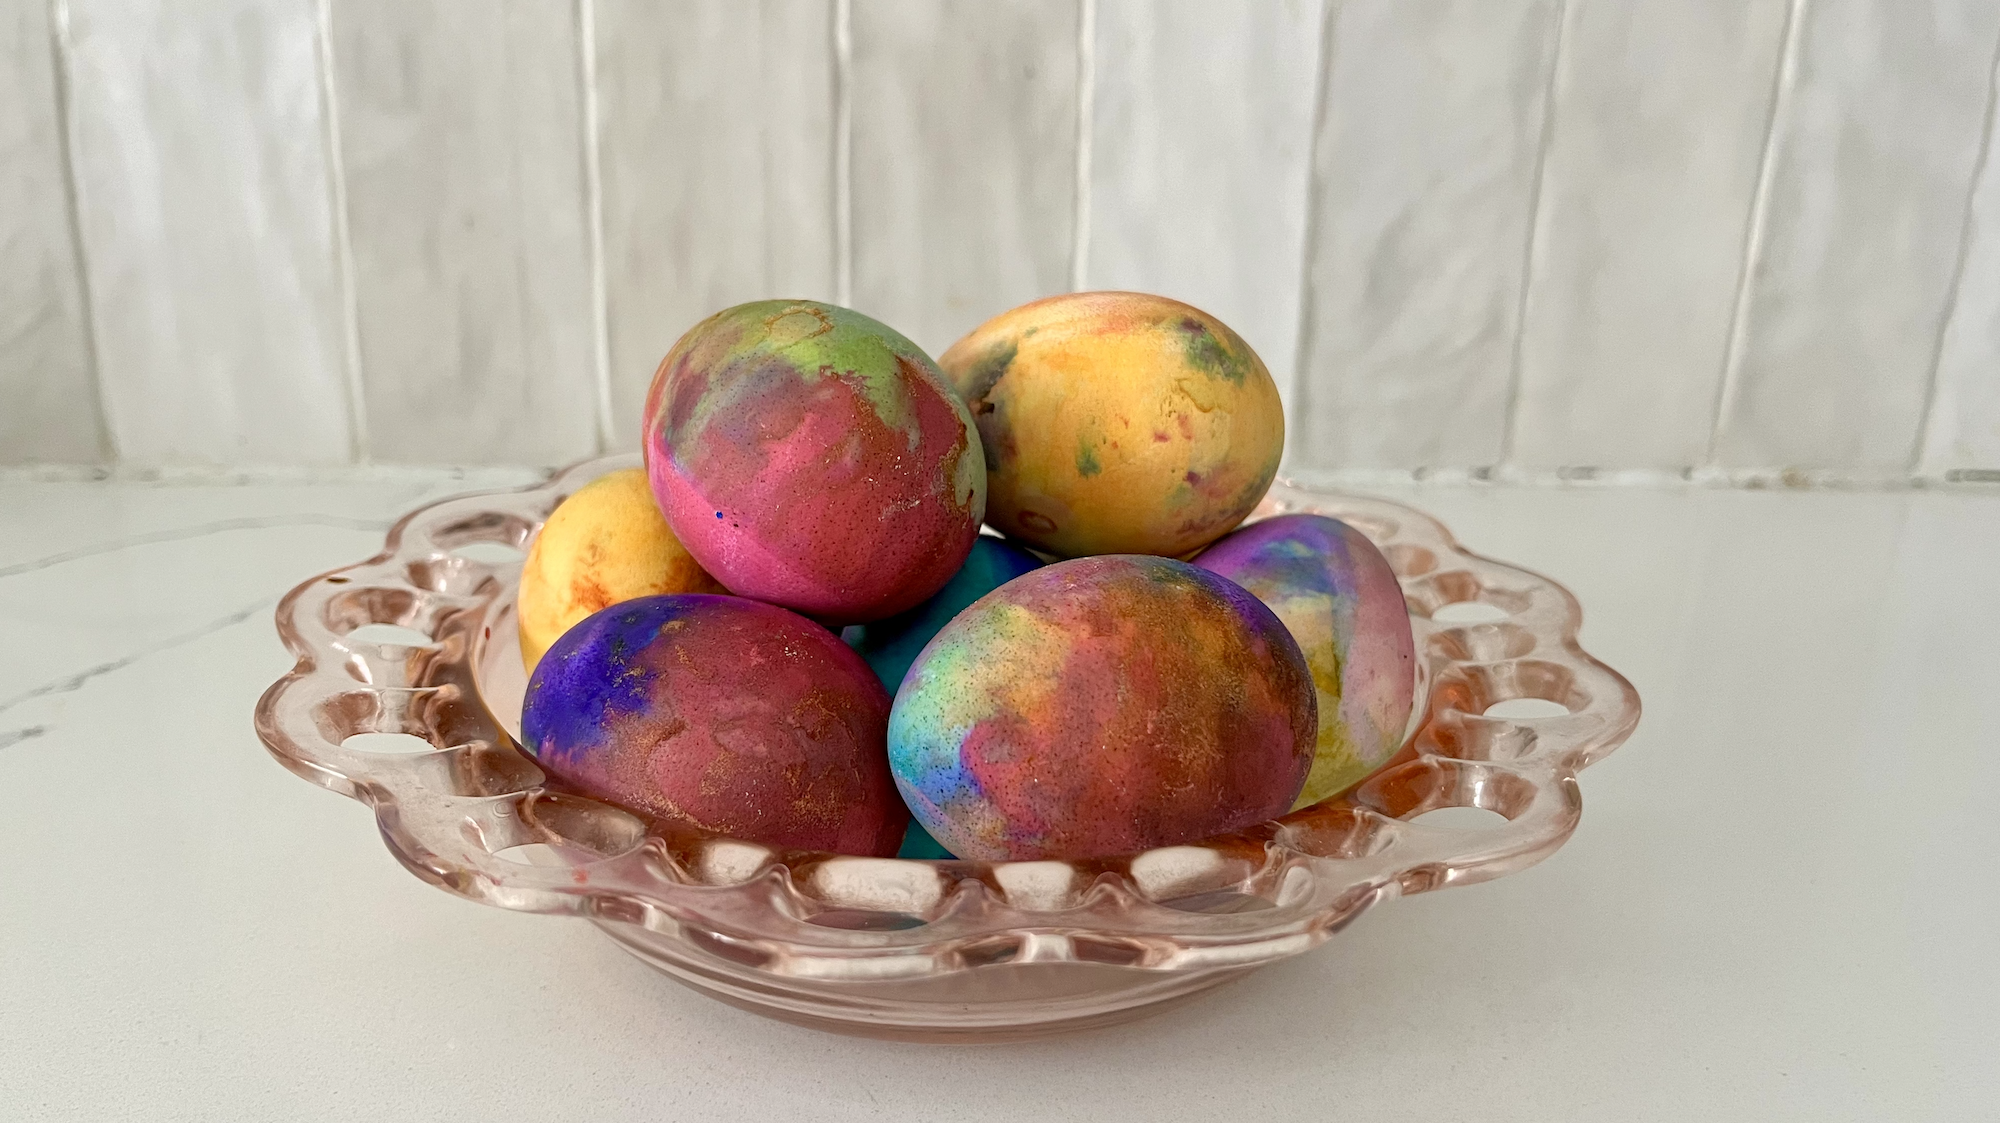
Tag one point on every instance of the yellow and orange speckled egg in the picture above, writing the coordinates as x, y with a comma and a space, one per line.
1117, 422
604, 545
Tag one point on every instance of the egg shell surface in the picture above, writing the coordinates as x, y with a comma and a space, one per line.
891, 645
1102, 706
920, 846
811, 457
721, 714
1117, 422
605, 544
1339, 598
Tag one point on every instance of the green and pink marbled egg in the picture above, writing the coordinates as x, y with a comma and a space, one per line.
808, 456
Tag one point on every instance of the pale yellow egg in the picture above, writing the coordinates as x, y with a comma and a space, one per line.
605, 544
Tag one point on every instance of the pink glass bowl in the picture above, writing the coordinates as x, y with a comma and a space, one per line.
917, 949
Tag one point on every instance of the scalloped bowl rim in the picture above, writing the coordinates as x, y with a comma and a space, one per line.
822, 921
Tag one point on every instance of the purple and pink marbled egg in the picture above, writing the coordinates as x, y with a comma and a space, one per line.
721, 714
1103, 706
811, 457
1339, 598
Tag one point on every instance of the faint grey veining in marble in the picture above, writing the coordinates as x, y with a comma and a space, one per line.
182, 534
14, 737
69, 684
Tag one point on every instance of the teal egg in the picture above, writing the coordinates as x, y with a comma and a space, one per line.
918, 844
891, 645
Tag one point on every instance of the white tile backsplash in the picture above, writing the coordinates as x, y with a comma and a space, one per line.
964, 159
1201, 134
469, 228
48, 388
1962, 433
1425, 170
1534, 235
204, 196
1873, 151
716, 150
1659, 122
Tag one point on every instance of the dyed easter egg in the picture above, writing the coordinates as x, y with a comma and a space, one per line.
1101, 706
813, 458
891, 645
1115, 422
1338, 597
721, 714
605, 544
919, 845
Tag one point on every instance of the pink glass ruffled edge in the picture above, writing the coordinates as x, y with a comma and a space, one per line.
911, 947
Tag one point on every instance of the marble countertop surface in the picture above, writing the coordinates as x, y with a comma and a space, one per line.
1782, 902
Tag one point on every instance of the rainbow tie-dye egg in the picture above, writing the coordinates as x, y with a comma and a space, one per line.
1103, 706
1339, 598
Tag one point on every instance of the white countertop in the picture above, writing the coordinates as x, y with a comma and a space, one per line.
1783, 902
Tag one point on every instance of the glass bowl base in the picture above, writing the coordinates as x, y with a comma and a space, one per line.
997, 1003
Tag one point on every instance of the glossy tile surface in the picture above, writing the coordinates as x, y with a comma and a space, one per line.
715, 151
468, 229
1743, 238
206, 205
1195, 196
1780, 896
1656, 139
963, 160
1874, 149
47, 379
1962, 432
1426, 166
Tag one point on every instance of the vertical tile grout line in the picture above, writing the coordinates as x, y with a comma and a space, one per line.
593, 196
59, 52
1510, 419
1920, 446
1086, 136
1753, 235
1309, 234
343, 242
843, 153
